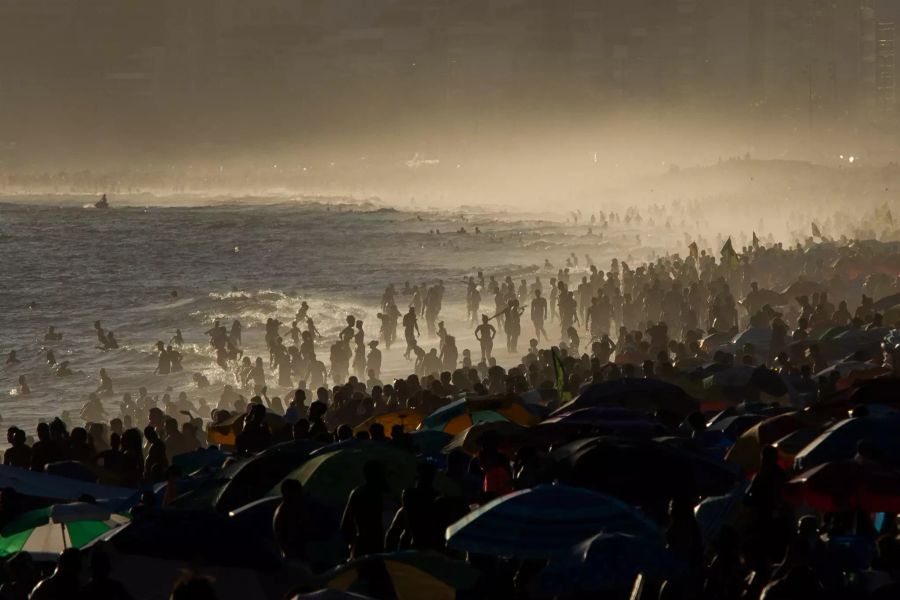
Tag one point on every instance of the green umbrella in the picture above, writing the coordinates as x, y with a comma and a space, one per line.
330, 477
46, 532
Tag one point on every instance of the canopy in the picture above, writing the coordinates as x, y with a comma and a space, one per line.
545, 521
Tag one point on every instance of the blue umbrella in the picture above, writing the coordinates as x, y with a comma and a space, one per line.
545, 521
607, 561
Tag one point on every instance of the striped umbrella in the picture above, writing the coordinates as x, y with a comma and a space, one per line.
545, 521
458, 416
46, 532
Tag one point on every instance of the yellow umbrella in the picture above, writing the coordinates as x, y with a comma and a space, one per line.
409, 419
413, 575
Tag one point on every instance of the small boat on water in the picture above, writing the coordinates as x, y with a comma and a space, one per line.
102, 202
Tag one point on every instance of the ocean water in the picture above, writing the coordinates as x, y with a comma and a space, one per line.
248, 261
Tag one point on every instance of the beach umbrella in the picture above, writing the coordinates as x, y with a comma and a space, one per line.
847, 485
249, 479
747, 448
43, 485
759, 298
645, 395
746, 376
511, 436
892, 314
881, 390
46, 532
202, 458
716, 512
793, 443
545, 521
225, 432
642, 471
323, 542
734, 426
714, 341
759, 337
887, 302
608, 420
801, 288
429, 442
462, 414
201, 538
409, 419
329, 478
850, 372
407, 575
839, 442
330, 595
607, 562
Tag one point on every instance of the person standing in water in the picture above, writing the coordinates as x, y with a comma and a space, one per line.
513, 325
410, 330
485, 333
163, 362
539, 314
373, 360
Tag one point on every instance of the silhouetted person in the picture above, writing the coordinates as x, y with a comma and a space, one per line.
63, 583
288, 520
362, 522
485, 333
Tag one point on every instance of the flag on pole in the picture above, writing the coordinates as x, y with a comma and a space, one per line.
815, 231
694, 251
755, 241
729, 256
564, 395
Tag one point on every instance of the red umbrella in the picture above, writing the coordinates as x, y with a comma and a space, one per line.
847, 485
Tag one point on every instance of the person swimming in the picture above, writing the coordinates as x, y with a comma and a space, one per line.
52, 335
23, 386
63, 370
177, 339
12, 359
51, 357
106, 385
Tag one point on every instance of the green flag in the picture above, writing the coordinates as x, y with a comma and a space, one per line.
564, 396
729, 256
